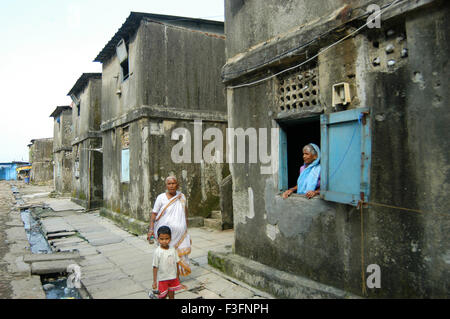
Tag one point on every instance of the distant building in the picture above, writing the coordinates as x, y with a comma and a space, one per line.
8, 171
41, 159
87, 182
160, 73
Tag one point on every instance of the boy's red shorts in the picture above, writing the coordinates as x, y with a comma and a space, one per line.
168, 285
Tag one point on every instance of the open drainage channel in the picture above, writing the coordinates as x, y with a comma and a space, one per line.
55, 285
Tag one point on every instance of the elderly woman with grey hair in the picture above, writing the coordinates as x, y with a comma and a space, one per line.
308, 182
170, 210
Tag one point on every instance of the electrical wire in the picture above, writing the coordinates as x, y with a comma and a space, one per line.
314, 56
277, 57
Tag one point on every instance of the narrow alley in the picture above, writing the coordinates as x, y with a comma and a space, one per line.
113, 262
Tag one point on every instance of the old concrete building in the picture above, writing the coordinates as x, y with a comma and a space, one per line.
160, 73
41, 159
86, 177
62, 149
375, 99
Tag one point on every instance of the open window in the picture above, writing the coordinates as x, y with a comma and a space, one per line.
122, 55
345, 144
294, 135
346, 156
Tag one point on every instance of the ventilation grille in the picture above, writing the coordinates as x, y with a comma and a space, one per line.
299, 91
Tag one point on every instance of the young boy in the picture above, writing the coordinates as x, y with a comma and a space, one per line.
165, 266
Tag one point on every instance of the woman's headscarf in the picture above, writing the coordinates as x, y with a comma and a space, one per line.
307, 181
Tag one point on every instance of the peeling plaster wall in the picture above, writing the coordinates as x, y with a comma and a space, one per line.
410, 166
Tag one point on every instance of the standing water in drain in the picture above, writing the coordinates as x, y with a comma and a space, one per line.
37, 240
56, 288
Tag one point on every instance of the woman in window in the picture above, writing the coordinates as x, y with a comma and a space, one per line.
308, 182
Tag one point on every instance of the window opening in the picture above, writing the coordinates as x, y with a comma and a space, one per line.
295, 134
122, 55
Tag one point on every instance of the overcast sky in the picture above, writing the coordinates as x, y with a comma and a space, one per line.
47, 44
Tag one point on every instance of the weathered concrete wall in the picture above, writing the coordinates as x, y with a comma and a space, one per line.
412, 167
150, 163
90, 114
322, 240
255, 22
62, 151
41, 158
62, 174
87, 171
114, 105
226, 202
189, 62
62, 131
174, 79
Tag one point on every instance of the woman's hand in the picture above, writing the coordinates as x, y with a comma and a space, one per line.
311, 194
150, 234
287, 193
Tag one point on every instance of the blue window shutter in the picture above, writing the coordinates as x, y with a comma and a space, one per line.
346, 154
282, 158
125, 175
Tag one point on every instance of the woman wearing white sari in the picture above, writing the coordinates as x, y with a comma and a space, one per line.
170, 210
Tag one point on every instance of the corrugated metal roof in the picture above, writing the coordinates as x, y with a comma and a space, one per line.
133, 21
58, 110
83, 81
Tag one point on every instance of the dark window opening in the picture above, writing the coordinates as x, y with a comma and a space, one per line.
122, 55
125, 69
298, 133
79, 109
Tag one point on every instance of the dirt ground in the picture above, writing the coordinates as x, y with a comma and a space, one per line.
6, 204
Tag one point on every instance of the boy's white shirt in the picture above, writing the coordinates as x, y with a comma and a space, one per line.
166, 261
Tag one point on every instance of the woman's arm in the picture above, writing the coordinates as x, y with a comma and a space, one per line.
311, 194
151, 226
